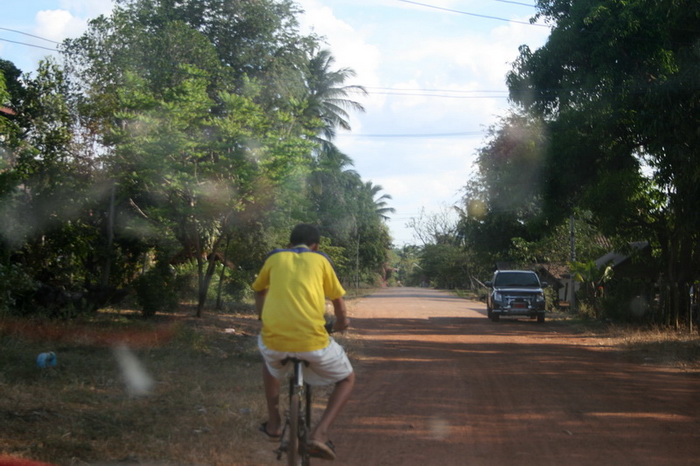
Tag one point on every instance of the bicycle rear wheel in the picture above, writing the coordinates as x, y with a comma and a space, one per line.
305, 426
294, 423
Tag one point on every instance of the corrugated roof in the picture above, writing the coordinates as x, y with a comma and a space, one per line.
615, 258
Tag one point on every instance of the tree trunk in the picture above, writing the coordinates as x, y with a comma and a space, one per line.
201, 292
223, 273
204, 278
106, 270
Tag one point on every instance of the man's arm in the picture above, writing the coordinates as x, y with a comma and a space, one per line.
341, 315
259, 302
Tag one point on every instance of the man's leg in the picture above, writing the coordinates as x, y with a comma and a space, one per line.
272, 395
340, 396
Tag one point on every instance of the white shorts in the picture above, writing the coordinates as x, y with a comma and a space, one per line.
326, 366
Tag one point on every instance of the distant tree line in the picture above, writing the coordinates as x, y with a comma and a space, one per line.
173, 146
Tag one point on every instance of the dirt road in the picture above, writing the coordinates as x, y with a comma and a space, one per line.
438, 383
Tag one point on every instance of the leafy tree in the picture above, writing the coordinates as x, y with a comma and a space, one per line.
617, 83
48, 194
332, 183
445, 261
10, 131
446, 266
593, 278
503, 200
407, 265
199, 132
182, 131
190, 187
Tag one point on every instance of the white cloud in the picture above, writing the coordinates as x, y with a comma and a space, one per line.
58, 24
71, 19
88, 8
348, 45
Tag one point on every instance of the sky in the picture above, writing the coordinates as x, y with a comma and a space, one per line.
434, 71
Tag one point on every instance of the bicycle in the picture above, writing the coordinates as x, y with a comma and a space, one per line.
297, 425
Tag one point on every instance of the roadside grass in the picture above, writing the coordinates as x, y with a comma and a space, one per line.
204, 407
640, 343
643, 344
205, 402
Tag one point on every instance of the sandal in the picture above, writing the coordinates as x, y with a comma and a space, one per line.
325, 451
271, 437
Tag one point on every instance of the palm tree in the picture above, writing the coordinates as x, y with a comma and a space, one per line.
381, 206
327, 97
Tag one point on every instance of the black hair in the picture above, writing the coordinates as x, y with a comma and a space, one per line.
305, 234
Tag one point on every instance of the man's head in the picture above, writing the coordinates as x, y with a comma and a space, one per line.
305, 234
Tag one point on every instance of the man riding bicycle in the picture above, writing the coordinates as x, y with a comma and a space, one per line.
290, 298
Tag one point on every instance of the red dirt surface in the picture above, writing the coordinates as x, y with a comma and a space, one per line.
438, 383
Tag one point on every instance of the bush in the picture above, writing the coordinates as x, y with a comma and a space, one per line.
16, 289
625, 302
156, 290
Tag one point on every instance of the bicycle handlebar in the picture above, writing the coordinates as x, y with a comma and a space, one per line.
330, 326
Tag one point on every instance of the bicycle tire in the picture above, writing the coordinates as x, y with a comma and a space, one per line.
305, 427
293, 443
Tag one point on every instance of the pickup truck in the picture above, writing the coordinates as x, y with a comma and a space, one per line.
515, 293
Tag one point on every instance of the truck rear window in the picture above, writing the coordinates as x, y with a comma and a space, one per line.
516, 279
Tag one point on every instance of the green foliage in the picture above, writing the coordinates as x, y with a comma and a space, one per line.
407, 266
16, 286
445, 265
352, 213
617, 85
593, 280
188, 128
336, 254
626, 301
156, 290
49, 207
555, 245
326, 101
504, 200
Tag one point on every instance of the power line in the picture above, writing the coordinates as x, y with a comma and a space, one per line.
457, 91
494, 94
29, 45
473, 14
414, 135
516, 3
441, 93
447, 96
30, 35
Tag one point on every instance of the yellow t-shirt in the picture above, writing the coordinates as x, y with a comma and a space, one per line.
298, 281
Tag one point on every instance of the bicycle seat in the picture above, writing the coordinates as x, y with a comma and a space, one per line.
294, 361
